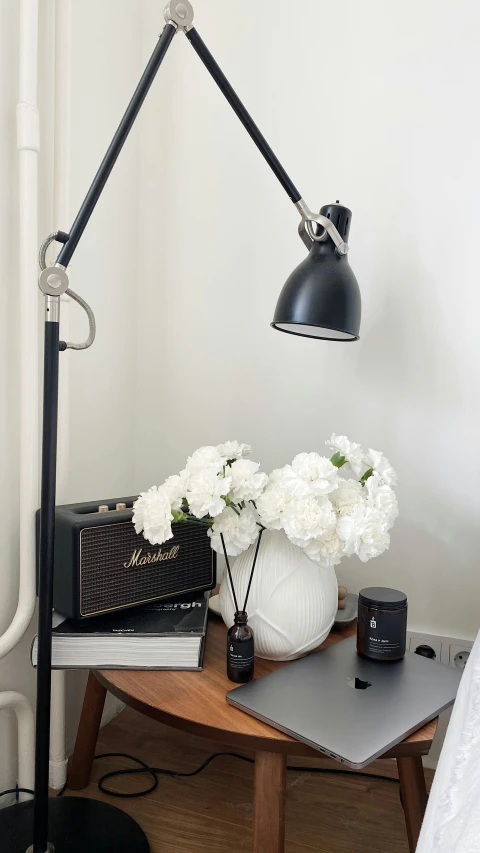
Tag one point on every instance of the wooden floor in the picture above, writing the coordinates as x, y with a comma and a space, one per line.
212, 812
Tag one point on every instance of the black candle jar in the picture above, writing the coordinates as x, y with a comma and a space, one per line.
382, 623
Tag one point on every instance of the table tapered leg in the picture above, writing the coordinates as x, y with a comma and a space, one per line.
414, 796
88, 728
269, 808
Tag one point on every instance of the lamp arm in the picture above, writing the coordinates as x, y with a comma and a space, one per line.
239, 109
179, 17
116, 145
307, 229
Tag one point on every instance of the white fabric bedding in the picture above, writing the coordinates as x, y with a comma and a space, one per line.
452, 819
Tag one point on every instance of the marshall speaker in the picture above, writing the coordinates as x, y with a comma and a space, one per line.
101, 564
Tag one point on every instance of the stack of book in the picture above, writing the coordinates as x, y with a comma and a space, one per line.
160, 635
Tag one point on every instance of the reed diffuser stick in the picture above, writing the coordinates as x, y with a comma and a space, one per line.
251, 572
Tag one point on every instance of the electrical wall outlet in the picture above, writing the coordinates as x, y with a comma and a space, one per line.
430, 646
449, 650
459, 654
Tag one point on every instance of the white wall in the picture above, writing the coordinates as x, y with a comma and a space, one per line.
103, 267
371, 104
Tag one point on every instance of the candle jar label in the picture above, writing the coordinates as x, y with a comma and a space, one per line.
384, 635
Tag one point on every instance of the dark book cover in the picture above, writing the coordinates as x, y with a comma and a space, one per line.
156, 623
158, 619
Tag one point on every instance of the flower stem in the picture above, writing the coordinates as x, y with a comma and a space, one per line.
194, 520
230, 504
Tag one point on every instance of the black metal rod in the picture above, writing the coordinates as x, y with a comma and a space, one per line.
252, 570
244, 116
45, 584
116, 145
229, 573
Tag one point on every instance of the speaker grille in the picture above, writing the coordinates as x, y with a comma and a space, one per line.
108, 582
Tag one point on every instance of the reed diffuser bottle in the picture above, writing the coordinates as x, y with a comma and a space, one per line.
240, 650
240, 638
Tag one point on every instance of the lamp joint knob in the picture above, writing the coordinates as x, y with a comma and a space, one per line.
179, 13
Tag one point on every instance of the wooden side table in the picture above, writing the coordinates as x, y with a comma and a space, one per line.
195, 702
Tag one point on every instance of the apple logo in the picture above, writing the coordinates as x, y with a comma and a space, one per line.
358, 684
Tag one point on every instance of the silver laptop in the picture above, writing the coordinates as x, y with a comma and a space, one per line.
346, 706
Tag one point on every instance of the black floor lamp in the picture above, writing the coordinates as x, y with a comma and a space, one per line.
320, 299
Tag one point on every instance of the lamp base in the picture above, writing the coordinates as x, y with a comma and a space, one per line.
76, 825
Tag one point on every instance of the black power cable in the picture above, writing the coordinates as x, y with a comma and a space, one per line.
155, 772
16, 791
160, 771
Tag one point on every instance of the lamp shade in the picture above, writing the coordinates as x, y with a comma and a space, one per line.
321, 298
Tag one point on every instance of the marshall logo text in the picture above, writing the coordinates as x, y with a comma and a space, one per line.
139, 559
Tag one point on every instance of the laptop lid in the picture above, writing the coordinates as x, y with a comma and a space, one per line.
346, 706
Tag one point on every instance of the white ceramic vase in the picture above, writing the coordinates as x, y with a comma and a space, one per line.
292, 602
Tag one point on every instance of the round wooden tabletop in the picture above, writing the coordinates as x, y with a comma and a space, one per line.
195, 701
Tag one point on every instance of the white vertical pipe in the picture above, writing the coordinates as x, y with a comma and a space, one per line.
61, 218
58, 760
28, 147
26, 737
28, 138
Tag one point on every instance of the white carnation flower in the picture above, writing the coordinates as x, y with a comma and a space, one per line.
380, 464
327, 550
308, 518
347, 496
382, 497
247, 482
353, 452
239, 531
271, 505
204, 457
278, 474
233, 450
152, 514
205, 492
176, 487
317, 472
294, 486
364, 532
